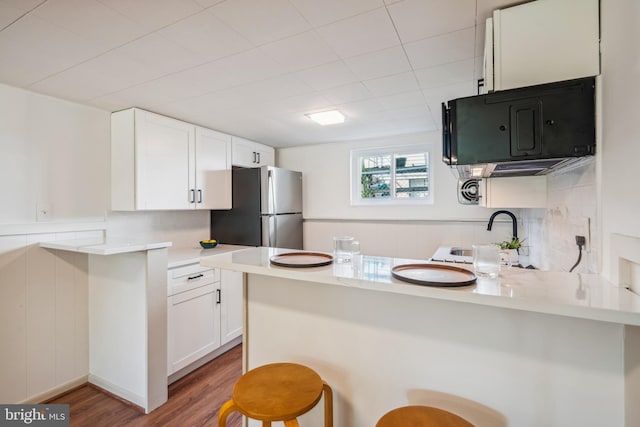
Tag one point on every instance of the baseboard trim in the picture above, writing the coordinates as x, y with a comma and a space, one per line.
56, 391
119, 392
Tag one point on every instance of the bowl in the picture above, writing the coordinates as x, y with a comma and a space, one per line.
208, 244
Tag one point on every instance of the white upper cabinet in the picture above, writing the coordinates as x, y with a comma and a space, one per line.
159, 163
514, 192
212, 159
250, 154
542, 41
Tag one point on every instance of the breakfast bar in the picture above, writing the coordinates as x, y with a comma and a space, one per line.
529, 348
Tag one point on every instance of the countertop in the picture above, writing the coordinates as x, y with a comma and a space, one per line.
179, 256
100, 246
585, 296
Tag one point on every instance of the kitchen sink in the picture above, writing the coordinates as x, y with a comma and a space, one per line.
461, 252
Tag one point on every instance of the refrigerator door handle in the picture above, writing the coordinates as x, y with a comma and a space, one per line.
272, 192
273, 231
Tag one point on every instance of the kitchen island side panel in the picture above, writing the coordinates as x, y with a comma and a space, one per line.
493, 366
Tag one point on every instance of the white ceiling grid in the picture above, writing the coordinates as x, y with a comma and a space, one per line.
253, 68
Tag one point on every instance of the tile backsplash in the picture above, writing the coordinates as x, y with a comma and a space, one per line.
571, 210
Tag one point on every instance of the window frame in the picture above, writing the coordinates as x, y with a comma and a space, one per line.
356, 175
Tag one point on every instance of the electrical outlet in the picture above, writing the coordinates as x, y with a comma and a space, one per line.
43, 212
584, 229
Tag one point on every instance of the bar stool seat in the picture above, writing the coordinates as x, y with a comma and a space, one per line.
421, 416
278, 392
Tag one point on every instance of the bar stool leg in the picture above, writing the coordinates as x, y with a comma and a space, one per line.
328, 405
266, 424
225, 410
291, 423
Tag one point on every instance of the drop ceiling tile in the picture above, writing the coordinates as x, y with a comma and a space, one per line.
265, 91
230, 71
446, 93
415, 111
23, 5
327, 11
8, 14
361, 34
262, 21
436, 96
447, 74
36, 49
360, 109
207, 36
379, 63
301, 51
402, 100
160, 54
107, 73
302, 104
151, 15
389, 85
327, 76
164, 90
420, 19
347, 93
439, 50
208, 3
90, 20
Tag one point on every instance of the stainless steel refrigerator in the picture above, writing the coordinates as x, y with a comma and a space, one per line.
267, 209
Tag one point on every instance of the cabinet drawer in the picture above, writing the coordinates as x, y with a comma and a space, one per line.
190, 277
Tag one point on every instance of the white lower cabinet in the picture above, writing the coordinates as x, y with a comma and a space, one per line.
231, 318
204, 312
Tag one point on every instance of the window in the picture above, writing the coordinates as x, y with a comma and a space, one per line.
391, 175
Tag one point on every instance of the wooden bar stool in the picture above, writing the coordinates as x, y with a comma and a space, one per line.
278, 392
421, 416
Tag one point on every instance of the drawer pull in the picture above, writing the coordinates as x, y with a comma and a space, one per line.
197, 276
218, 296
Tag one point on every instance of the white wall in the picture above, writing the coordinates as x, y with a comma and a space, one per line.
43, 318
57, 153
326, 179
396, 231
620, 148
54, 153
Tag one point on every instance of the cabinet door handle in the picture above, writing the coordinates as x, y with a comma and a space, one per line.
255, 157
218, 296
199, 196
193, 196
258, 154
197, 276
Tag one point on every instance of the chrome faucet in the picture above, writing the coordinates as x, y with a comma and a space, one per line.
513, 219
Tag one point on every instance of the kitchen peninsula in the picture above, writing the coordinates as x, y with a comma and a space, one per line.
530, 348
128, 317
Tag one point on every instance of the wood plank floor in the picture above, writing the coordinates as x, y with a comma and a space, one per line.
194, 400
